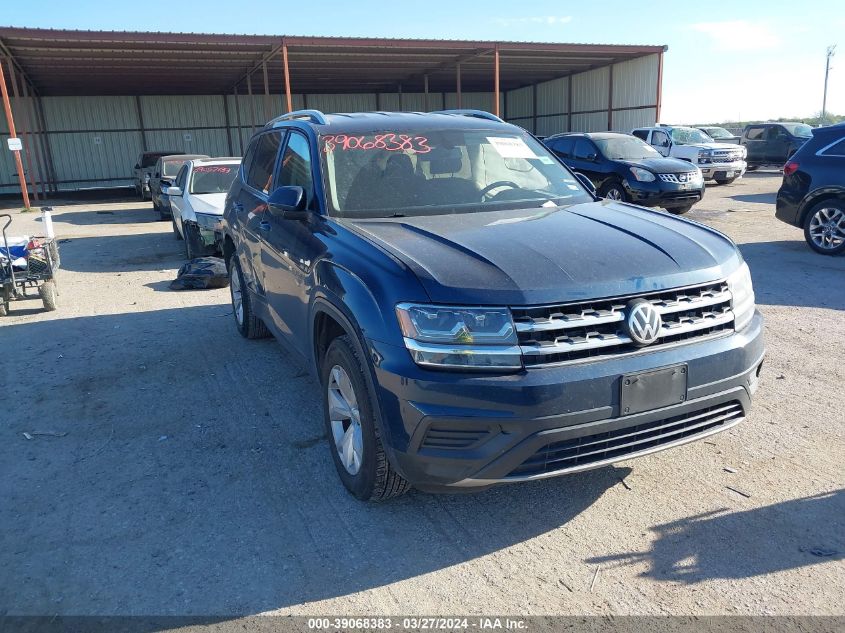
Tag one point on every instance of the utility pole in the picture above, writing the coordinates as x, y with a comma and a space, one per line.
831, 51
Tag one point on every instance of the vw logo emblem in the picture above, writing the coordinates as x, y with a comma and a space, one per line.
643, 322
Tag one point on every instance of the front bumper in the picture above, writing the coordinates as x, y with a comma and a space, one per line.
210, 227
711, 171
664, 194
448, 430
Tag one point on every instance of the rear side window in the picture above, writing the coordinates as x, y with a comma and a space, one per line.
837, 149
754, 133
584, 149
563, 147
263, 161
641, 134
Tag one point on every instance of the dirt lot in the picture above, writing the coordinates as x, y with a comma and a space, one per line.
192, 475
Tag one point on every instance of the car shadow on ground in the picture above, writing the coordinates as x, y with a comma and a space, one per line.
724, 544
756, 198
790, 273
140, 214
122, 253
195, 478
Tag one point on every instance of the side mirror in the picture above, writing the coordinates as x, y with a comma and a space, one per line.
173, 191
592, 157
288, 203
588, 184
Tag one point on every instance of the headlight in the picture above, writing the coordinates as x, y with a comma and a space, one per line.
455, 337
742, 292
705, 156
643, 175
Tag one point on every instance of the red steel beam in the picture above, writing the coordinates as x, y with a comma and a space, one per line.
13, 133
24, 129
496, 80
287, 75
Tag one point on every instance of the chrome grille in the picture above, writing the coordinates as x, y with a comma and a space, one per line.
677, 178
727, 155
580, 453
592, 329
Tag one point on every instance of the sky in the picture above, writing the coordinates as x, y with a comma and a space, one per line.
743, 60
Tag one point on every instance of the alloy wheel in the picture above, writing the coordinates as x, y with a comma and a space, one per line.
237, 295
345, 420
827, 228
614, 194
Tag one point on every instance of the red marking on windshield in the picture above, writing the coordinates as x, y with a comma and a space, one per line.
388, 142
213, 169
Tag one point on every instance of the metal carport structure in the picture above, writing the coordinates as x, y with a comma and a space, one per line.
86, 103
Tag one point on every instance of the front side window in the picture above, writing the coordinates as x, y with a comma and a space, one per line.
261, 169
688, 135
213, 178
659, 138
626, 148
295, 167
441, 171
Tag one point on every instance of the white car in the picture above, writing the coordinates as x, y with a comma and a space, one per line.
197, 198
722, 162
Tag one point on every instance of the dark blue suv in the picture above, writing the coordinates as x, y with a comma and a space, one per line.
473, 313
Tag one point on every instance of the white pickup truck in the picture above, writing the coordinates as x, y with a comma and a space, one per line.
722, 162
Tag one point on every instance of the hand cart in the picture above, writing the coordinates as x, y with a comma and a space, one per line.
42, 263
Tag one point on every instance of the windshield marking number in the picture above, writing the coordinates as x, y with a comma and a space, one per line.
389, 142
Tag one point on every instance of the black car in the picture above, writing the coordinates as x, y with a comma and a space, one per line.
812, 195
773, 143
472, 313
622, 167
720, 134
164, 174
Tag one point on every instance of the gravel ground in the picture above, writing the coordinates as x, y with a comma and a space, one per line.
191, 475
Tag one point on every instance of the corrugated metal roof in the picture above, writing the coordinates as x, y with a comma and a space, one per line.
67, 62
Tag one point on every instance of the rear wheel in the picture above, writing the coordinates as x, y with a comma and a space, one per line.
49, 293
614, 191
4, 302
824, 227
354, 437
752, 168
249, 325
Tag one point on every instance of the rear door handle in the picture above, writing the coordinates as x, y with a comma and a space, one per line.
264, 225
237, 206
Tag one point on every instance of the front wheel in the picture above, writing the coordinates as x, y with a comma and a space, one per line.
614, 191
680, 210
354, 437
49, 293
248, 324
824, 227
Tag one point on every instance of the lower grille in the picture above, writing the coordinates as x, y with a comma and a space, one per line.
628, 441
452, 438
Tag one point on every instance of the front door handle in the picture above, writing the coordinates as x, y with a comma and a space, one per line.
264, 225
238, 207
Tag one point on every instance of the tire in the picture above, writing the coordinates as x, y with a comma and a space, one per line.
249, 325
4, 306
752, 168
824, 227
614, 190
49, 293
724, 181
364, 469
176, 232
680, 210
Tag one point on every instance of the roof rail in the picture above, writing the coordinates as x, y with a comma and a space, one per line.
315, 116
478, 114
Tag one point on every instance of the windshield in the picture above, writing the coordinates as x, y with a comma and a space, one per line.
433, 172
687, 135
718, 132
799, 129
626, 148
212, 178
171, 167
149, 160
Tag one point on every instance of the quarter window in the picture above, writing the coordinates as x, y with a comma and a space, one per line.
261, 169
837, 149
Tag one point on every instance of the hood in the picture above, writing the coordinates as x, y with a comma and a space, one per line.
661, 165
710, 145
208, 203
538, 256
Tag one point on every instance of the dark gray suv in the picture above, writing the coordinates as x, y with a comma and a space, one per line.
473, 313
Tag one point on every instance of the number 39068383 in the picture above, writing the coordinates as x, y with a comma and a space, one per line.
388, 142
